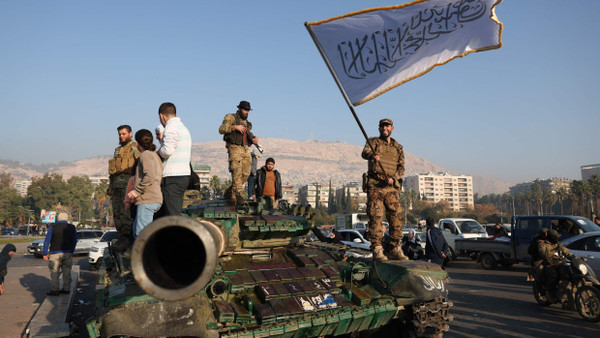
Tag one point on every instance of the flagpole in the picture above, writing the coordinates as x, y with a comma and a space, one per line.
344, 94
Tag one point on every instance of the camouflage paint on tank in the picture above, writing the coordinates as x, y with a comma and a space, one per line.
269, 282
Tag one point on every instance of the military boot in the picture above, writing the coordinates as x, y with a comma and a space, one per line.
378, 254
239, 199
397, 254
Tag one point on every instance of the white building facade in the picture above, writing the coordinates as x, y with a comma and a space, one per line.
456, 189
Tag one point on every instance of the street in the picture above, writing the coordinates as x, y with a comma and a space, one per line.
498, 303
487, 303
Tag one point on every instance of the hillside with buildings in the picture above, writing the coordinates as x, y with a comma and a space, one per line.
299, 162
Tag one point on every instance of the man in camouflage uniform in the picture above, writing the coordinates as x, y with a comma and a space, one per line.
386, 169
236, 131
550, 251
120, 169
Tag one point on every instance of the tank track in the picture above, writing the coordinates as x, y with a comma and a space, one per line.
430, 319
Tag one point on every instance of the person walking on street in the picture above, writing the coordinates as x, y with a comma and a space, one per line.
58, 251
176, 153
146, 190
238, 137
386, 169
5, 256
120, 169
268, 182
436, 247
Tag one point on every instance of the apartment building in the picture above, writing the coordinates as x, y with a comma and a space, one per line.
203, 171
354, 190
315, 194
456, 189
587, 171
22, 186
289, 193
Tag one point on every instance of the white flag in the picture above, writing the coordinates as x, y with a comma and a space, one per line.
377, 49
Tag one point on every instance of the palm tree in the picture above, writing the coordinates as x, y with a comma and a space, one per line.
549, 199
594, 183
579, 191
562, 194
215, 184
100, 198
537, 195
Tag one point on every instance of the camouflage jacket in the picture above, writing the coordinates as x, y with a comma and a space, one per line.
392, 160
232, 136
551, 253
120, 167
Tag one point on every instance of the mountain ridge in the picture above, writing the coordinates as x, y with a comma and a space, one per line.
299, 162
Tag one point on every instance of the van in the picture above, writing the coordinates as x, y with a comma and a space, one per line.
454, 228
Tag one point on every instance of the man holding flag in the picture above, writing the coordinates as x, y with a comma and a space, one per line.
386, 169
372, 51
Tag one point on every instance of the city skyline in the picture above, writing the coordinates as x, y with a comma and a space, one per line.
72, 72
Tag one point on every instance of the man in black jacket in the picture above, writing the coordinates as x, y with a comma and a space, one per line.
436, 246
268, 182
58, 251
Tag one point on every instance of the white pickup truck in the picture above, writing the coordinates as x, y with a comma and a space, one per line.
460, 228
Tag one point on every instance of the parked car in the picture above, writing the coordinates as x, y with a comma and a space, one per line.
36, 248
354, 238
9, 232
586, 245
98, 249
85, 239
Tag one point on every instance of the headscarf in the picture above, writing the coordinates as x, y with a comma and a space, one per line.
412, 231
5, 257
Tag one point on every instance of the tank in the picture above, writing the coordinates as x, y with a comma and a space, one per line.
223, 270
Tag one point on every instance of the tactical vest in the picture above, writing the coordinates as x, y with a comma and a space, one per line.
235, 137
390, 155
123, 160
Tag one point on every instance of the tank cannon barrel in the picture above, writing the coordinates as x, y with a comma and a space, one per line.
174, 257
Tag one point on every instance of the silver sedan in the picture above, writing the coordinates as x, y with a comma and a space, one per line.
586, 245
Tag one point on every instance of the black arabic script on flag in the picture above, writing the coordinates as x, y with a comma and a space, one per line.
381, 50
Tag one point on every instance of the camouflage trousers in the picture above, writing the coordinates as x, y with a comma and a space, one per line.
121, 216
380, 201
239, 166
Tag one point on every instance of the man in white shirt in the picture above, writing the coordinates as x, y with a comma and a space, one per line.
176, 152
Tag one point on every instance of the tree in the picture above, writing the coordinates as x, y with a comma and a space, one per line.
536, 194
484, 211
332, 206
5, 180
47, 192
79, 204
205, 193
12, 211
594, 184
321, 216
101, 201
561, 195
579, 191
549, 199
215, 184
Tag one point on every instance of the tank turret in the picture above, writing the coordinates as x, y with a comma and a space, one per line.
247, 271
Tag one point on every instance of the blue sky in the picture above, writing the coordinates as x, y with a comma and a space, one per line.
72, 71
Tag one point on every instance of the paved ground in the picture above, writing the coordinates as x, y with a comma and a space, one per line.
487, 303
26, 284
